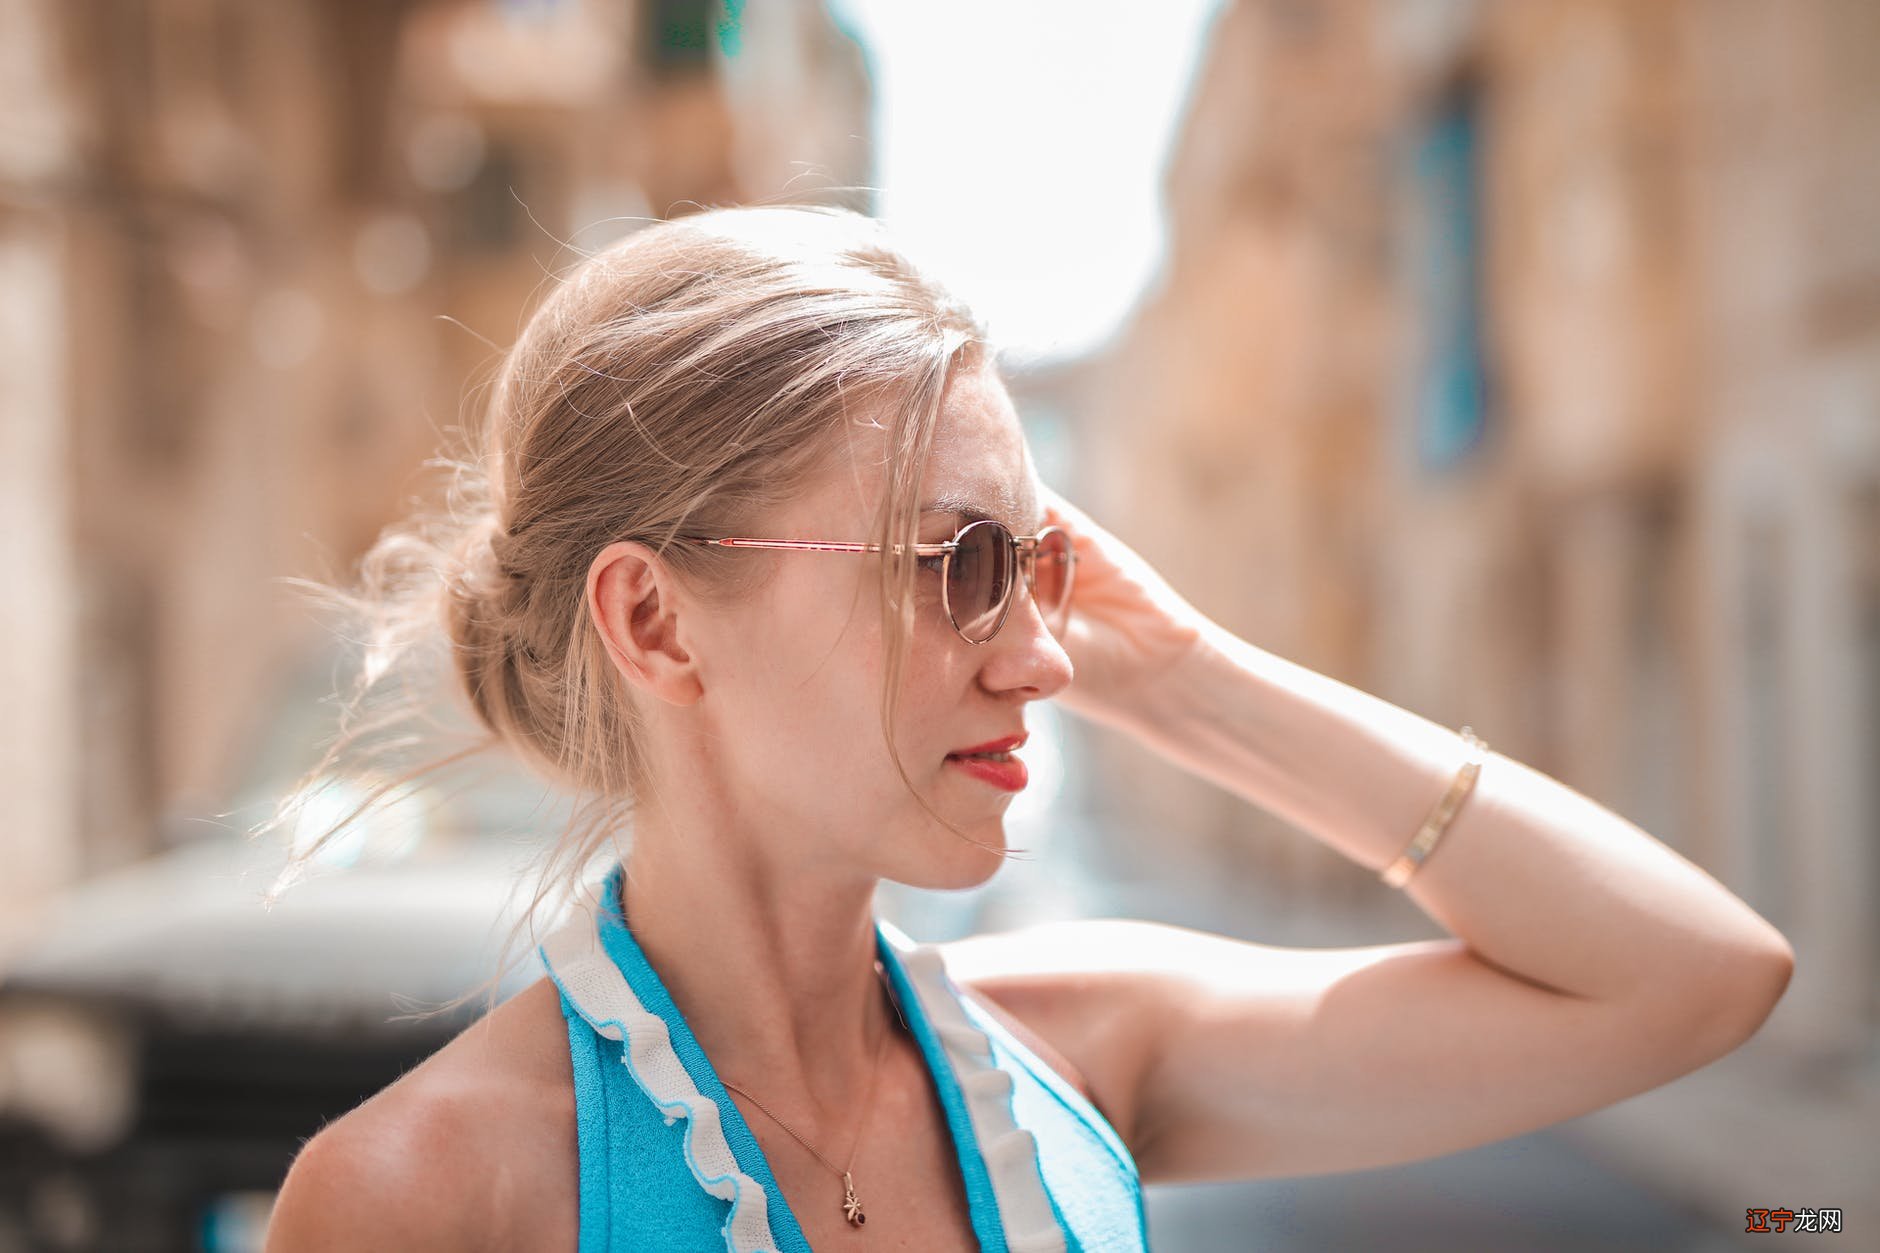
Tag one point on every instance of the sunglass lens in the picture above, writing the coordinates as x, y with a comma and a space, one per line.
979, 577
1051, 581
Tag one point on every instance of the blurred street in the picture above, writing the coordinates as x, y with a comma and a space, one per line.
1535, 1194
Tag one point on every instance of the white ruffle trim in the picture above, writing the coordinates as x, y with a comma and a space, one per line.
584, 970
1010, 1151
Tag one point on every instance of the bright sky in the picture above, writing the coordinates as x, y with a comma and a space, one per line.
1020, 150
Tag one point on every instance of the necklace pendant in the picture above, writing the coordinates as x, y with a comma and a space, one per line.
851, 1204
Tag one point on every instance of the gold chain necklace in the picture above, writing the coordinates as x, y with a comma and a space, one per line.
851, 1204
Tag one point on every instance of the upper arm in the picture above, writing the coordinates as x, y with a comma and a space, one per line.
1230, 1060
375, 1179
1280, 1061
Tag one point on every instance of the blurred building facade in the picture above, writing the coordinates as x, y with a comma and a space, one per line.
1521, 363
255, 259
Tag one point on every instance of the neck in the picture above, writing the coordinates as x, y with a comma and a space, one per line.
773, 967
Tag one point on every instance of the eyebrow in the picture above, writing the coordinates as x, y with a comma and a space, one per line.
968, 510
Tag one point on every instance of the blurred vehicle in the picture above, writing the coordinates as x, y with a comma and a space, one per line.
168, 1042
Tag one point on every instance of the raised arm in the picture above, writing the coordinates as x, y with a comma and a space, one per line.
1589, 962
1537, 880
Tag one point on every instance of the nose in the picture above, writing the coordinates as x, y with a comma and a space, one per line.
1025, 651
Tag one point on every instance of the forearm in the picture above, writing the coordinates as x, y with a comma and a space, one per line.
1535, 878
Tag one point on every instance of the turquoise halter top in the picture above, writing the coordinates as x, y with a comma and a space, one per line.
668, 1162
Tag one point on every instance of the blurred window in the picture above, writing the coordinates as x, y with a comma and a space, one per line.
1656, 704
1768, 686
1448, 401
679, 35
489, 212
1864, 543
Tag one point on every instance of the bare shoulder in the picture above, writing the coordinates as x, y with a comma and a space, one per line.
1082, 998
474, 1148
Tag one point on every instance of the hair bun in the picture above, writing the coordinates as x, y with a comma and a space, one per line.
483, 561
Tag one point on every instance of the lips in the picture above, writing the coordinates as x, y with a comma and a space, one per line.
1004, 772
1008, 774
993, 746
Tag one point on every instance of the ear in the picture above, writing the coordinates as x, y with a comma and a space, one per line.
635, 604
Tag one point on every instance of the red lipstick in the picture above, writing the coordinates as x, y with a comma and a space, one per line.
990, 761
994, 746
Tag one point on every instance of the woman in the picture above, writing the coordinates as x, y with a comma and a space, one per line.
729, 1049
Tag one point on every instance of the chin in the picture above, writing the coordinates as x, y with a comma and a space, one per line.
965, 865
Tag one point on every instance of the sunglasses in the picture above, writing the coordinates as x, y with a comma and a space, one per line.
978, 568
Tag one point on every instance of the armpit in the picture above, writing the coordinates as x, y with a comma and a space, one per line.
1031, 1040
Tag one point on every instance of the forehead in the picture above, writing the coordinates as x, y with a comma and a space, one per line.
980, 467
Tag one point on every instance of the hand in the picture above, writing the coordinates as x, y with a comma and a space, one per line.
1127, 626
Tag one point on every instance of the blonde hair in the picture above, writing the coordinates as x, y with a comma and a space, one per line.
691, 378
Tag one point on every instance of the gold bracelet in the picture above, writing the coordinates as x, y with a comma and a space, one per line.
1418, 850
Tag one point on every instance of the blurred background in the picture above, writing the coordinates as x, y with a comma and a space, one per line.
1517, 362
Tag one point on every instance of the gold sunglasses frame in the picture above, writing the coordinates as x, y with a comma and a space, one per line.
1026, 555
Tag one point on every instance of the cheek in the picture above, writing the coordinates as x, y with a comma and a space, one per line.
869, 647
819, 689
